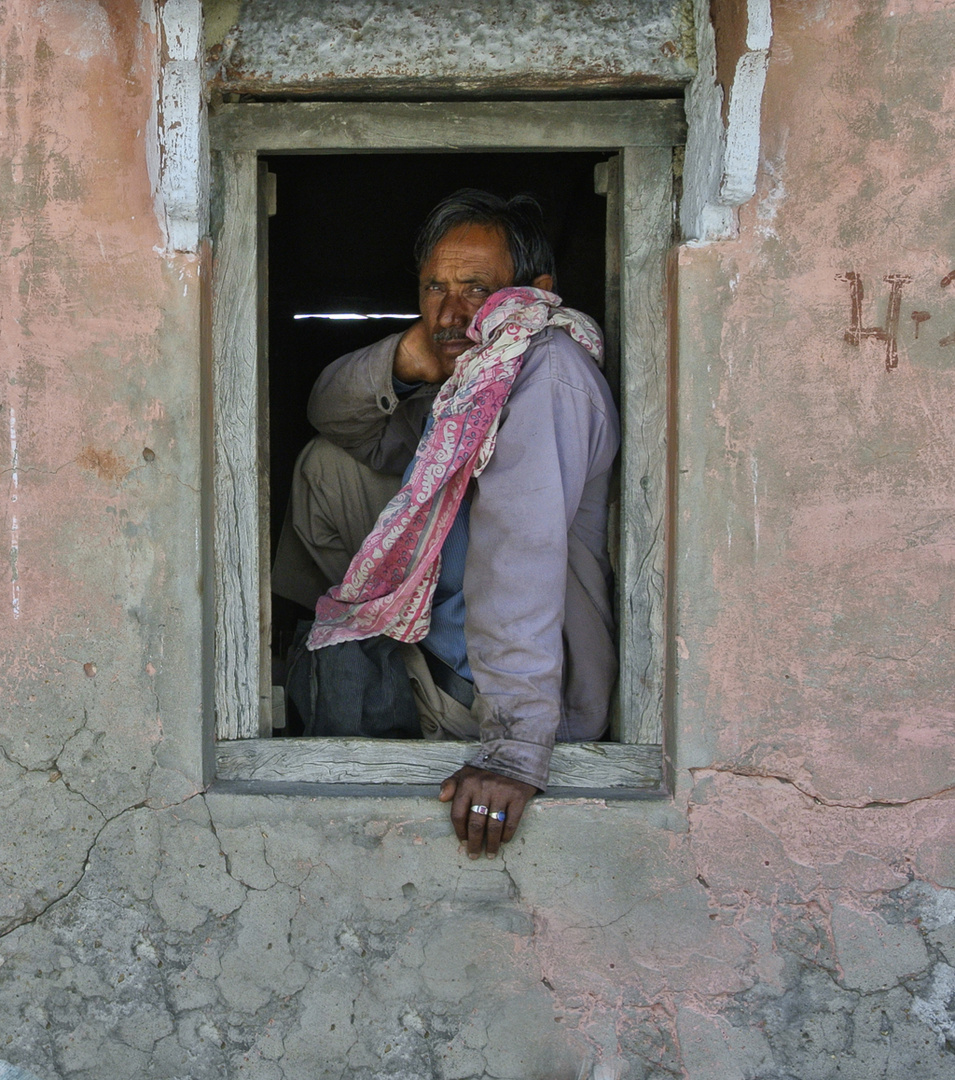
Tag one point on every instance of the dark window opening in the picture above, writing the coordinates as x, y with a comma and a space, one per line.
341, 241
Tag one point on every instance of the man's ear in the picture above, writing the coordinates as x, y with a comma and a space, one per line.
543, 281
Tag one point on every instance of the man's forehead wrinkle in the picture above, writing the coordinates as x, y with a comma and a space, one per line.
474, 278
467, 254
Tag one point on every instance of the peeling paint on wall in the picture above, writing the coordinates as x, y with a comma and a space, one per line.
179, 162
724, 106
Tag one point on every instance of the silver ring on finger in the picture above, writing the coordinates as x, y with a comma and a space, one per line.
478, 809
498, 815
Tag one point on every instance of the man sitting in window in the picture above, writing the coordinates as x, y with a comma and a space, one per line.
501, 444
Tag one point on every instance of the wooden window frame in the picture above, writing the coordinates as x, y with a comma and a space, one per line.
642, 134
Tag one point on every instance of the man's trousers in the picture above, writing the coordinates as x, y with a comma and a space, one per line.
334, 504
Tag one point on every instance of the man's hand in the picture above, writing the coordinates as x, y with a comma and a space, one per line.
495, 794
415, 360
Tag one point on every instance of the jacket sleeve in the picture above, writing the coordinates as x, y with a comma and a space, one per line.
354, 405
516, 571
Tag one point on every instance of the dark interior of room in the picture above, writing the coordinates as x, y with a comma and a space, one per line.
341, 241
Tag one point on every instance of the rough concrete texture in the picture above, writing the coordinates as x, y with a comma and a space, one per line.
788, 915
287, 46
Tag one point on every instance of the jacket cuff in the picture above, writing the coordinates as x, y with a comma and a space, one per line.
506, 749
528, 762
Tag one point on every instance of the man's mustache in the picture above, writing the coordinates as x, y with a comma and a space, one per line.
452, 334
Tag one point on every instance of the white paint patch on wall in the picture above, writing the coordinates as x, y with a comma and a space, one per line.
935, 1009
774, 171
721, 161
91, 36
741, 155
701, 217
177, 154
759, 32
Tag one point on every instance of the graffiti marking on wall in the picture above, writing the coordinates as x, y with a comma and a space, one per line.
919, 317
889, 333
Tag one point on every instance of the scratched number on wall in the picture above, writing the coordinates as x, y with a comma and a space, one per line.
889, 332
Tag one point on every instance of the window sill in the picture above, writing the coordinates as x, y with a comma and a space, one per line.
595, 769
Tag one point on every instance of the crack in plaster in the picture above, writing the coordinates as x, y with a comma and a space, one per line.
51, 763
932, 1009
61, 775
514, 890
7, 757
38, 470
29, 470
871, 804
604, 926
819, 913
275, 878
579, 1011
225, 858
740, 902
31, 919
181, 482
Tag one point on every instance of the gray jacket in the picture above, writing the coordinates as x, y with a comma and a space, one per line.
539, 626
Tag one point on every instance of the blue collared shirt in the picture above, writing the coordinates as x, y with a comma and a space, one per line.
446, 636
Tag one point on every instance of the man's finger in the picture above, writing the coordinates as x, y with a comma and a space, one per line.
461, 810
496, 820
477, 825
448, 788
515, 811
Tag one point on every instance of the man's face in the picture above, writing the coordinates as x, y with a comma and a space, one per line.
467, 264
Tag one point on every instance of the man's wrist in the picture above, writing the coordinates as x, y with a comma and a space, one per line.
536, 776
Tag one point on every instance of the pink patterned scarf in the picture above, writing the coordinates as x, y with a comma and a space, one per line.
390, 583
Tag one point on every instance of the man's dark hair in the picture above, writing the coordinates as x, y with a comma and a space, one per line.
520, 219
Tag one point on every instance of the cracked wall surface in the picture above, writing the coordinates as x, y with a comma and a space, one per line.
789, 914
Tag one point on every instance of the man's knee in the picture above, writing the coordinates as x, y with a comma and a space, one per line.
336, 501
322, 461
331, 471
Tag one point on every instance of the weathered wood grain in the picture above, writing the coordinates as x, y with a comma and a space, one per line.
236, 464
264, 190
334, 127
647, 211
601, 766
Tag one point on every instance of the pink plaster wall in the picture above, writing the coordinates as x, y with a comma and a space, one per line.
80, 314
99, 482
829, 479
813, 562
814, 517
